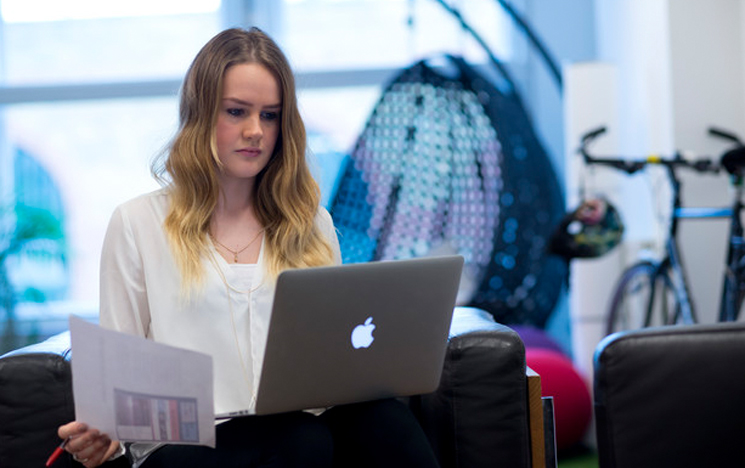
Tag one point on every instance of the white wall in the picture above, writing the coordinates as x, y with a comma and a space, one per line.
706, 38
679, 68
633, 36
627, 90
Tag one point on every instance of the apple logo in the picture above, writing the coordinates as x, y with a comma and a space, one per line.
362, 334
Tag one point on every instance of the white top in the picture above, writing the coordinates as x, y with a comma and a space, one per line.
228, 319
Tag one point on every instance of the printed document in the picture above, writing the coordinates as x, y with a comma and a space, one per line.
136, 390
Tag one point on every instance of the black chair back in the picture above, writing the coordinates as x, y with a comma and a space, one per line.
671, 397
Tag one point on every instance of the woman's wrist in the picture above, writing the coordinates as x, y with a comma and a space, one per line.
121, 451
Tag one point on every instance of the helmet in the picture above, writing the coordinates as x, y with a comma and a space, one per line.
591, 230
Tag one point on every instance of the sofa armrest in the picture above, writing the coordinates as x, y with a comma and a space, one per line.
35, 398
478, 417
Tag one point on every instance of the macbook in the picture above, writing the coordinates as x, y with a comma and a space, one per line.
357, 332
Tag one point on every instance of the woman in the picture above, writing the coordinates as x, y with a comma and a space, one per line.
193, 265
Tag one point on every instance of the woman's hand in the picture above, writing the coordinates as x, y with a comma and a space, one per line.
87, 445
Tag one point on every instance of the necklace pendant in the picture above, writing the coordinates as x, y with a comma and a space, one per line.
235, 252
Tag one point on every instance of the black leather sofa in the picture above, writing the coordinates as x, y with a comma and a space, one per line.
478, 417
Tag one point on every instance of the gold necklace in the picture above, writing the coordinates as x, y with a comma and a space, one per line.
228, 288
236, 252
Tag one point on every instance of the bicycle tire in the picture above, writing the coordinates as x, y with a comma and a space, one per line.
643, 297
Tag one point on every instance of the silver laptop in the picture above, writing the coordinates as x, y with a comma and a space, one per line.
358, 332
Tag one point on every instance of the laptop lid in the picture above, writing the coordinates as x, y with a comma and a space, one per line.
357, 332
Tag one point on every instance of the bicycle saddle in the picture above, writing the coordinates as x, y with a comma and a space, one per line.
734, 160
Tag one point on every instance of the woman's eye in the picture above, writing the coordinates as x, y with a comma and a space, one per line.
269, 115
235, 112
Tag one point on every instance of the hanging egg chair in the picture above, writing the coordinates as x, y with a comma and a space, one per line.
449, 162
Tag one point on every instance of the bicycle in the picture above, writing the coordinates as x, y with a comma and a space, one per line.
733, 288
651, 293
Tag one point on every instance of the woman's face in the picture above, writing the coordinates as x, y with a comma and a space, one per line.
248, 122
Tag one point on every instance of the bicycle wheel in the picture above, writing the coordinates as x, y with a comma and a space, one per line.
643, 297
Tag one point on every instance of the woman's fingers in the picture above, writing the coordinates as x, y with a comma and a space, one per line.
93, 453
87, 446
69, 430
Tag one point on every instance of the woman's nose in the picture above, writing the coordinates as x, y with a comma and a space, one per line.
252, 128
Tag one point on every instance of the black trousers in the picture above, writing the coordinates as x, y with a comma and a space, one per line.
382, 433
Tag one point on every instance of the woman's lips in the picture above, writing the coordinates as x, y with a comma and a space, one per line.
251, 152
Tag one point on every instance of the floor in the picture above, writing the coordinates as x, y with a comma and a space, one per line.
580, 457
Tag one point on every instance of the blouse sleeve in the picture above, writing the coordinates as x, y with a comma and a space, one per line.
123, 295
326, 225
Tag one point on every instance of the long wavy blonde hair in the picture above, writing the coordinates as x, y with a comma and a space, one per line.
286, 197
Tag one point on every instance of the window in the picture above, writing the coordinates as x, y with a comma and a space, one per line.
64, 66
367, 34
54, 42
88, 93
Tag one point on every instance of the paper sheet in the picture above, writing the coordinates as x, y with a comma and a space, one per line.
136, 390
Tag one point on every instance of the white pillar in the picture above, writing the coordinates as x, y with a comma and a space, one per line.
590, 91
628, 92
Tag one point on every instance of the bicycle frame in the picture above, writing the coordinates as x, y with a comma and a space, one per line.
673, 261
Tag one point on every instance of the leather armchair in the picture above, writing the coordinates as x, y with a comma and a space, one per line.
671, 396
35, 399
478, 417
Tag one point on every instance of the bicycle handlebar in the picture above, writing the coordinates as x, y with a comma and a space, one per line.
630, 166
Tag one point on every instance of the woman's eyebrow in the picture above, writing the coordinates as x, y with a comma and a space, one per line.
248, 104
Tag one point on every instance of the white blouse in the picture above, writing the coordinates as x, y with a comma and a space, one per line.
228, 318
